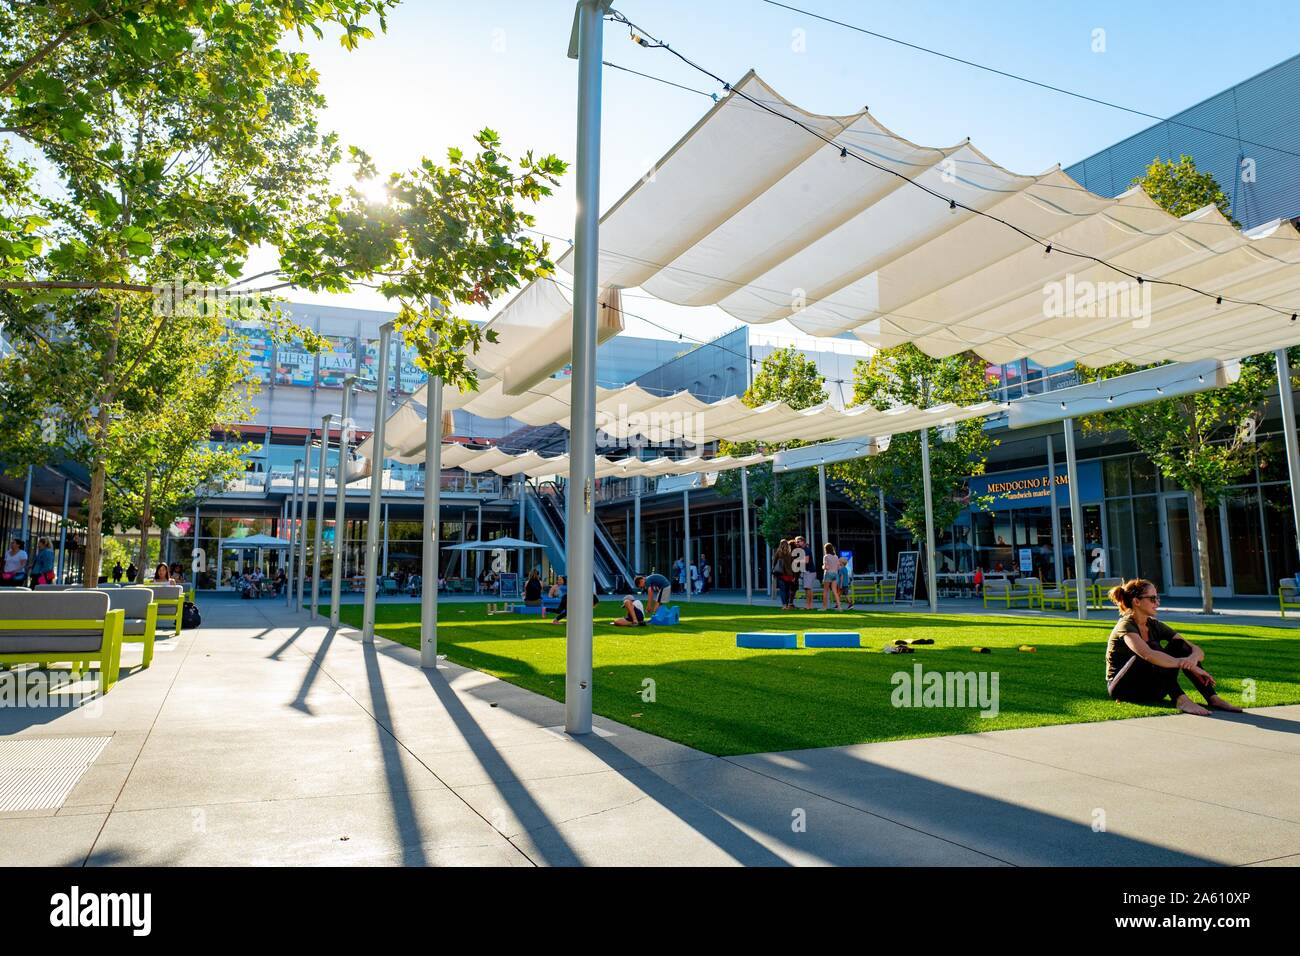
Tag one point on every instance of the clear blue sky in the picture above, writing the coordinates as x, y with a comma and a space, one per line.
445, 69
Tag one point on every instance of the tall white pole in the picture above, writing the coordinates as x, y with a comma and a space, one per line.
1287, 403
302, 533
346, 430
293, 529
376, 484
319, 538
588, 29
686, 525
432, 526
744, 536
523, 526
63, 531
821, 490
1076, 519
884, 544
1056, 512
638, 564
27, 515
931, 585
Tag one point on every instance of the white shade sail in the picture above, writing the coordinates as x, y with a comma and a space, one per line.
755, 214
534, 465
632, 412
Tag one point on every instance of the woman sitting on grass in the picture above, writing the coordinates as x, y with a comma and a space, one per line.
1144, 655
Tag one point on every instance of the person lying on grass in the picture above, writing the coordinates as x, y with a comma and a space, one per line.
633, 614
1144, 656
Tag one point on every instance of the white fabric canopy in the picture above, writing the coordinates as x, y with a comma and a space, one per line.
758, 216
629, 412
534, 465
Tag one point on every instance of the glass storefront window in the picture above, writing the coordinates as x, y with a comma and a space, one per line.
1145, 480
1247, 541
1279, 532
1114, 473
1120, 552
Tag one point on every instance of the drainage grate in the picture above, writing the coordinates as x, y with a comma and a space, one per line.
38, 773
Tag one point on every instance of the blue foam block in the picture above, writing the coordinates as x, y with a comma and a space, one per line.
768, 640
831, 639
525, 609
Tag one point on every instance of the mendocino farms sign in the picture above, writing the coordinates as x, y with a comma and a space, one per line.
1026, 487
1031, 487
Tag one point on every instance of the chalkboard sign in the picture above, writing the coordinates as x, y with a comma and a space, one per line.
905, 577
509, 584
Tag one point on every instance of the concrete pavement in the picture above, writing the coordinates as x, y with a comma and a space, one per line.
262, 738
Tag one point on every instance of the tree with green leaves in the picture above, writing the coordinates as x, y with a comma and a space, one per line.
904, 375
163, 143
1204, 442
785, 375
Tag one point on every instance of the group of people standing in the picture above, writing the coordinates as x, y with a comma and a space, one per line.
793, 568
699, 576
17, 573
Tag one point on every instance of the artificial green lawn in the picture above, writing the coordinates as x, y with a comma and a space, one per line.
718, 698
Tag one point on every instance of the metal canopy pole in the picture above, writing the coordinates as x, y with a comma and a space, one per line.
319, 538
821, 490
1056, 512
1076, 519
293, 529
930, 583
523, 526
884, 544
744, 522
63, 530
1287, 403
27, 514
586, 46
302, 533
637, 562
346, 428
686, 525
432, 526
376, 484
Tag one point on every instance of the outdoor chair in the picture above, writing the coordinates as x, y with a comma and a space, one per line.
170, 599
390, 586
76, 626
1064, 595
864, 590
1100, 587
997, 589
1288, 595
141, 618
1029, 590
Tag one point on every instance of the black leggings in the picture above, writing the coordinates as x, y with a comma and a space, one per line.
1141, 682
562, 610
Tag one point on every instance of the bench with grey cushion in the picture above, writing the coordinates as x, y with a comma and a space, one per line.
141, 620
77, 626
170, 599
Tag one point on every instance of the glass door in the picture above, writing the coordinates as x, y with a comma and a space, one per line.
1182, 565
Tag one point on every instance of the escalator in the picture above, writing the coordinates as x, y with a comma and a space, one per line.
546, 507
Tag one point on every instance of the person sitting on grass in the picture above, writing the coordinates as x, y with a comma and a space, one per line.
563, 609
659, 590
1144, 655
633, 614
533, 589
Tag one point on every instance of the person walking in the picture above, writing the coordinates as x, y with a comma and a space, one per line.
830, 577
117, 572
131, 573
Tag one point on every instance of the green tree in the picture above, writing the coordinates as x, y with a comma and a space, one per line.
1203, 442
785, 375
904, 375
173, 138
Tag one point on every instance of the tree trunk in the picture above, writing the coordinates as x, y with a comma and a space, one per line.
1203, 550
98, 474
146, 519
